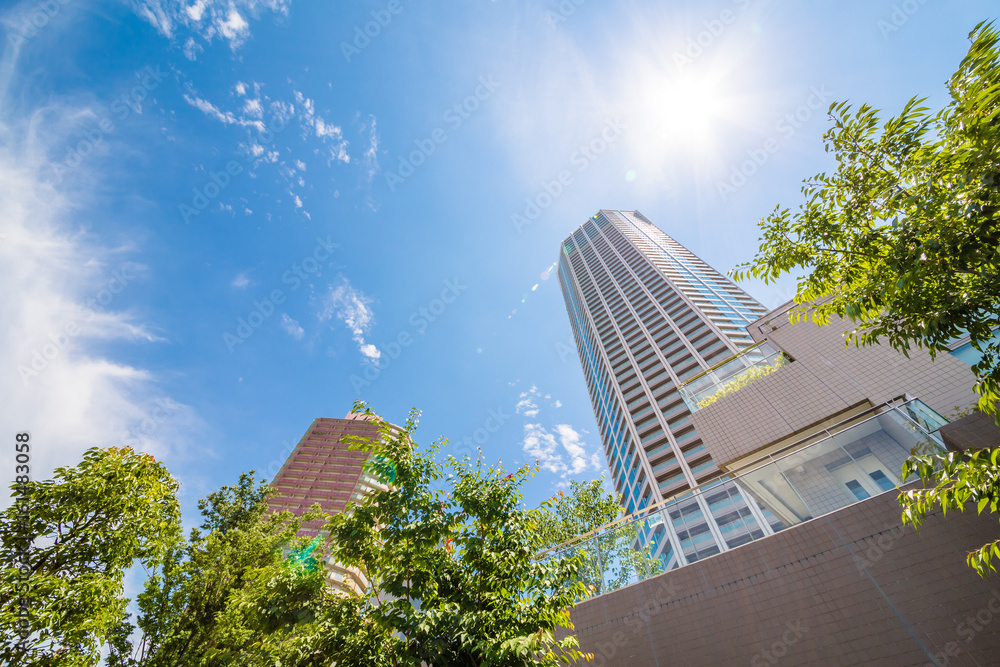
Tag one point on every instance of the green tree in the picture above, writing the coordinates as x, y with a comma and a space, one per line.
450, 551
954, 480
83, 530
234, 593
609, 559
903, 240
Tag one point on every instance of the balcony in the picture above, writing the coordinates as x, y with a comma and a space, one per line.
841, 465
731, 375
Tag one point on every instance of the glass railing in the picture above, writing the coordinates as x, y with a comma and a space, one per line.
842, 465
732, 375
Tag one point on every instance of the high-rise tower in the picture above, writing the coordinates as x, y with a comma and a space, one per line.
648, 315
324, 469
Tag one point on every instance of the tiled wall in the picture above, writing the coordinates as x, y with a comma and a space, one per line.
850, 588
975, 431
825, 378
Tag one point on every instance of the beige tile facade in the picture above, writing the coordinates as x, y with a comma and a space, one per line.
826, 377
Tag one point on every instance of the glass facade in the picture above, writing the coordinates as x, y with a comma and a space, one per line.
647, 316
850, 462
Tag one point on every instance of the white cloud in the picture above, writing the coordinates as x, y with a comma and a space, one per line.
527, 404
241, 281
253, 108
563, 452
206, 20
196, 11
226, 117
557, 404
352, 308
292, 327
331, 135
234, 28
251, 114
371, 154
61, 311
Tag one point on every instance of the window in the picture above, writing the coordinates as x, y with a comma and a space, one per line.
883, 482
857, 490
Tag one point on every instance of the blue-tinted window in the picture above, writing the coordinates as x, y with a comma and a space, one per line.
856, 489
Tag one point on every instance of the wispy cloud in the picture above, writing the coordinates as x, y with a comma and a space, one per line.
562, 452
59, 302
206, 20
292, 327
351, 307
331, 134
527, 402
241, 281
371, 153
226, 117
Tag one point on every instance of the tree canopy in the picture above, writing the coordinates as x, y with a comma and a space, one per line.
80, 531
448, 548
903, 238
450, 552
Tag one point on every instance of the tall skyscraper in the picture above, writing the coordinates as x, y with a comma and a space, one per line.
323, 469
648, 315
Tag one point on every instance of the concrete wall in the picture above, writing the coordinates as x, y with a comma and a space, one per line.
850, 588
825, 378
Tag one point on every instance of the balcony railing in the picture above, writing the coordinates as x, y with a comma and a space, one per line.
731, 375
837, 467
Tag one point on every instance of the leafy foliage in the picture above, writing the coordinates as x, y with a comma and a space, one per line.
609, 560
454, 578
903, 239
239, 591
744, 379
953, 480
449, 549
85, 528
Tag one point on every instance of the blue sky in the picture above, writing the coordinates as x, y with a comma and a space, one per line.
217, 216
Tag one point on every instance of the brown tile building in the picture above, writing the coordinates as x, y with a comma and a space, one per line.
323, 469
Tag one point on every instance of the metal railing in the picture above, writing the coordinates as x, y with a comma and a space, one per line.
843, 464
731, 375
